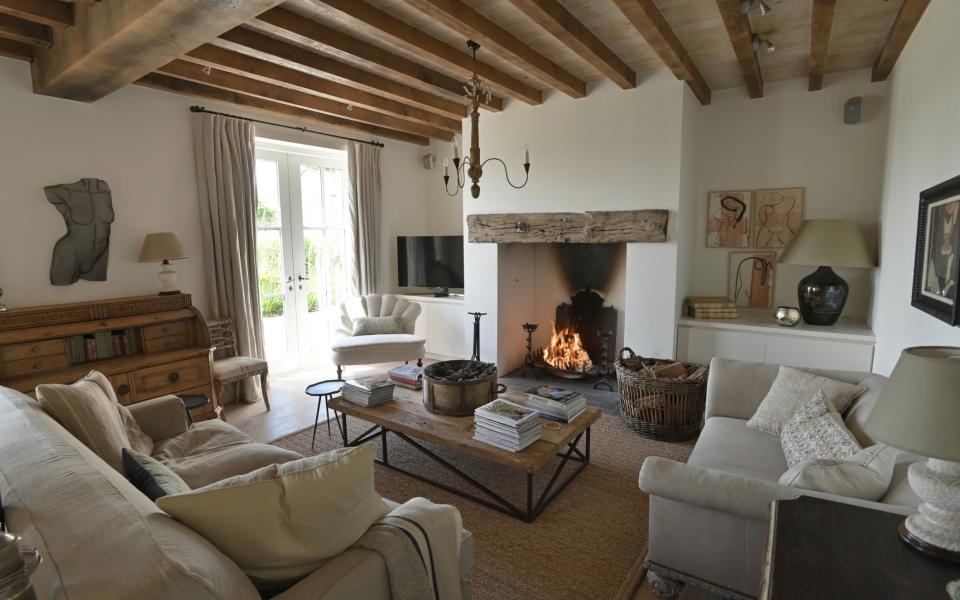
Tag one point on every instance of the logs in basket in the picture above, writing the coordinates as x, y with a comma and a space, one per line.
668, 409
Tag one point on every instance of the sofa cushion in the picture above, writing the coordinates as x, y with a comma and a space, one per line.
382, 341
865, 475
151, 476
213, 450
816, 431
89, 410
790, 389
139, 441
304, 512
729, 445
377, 325
856, 415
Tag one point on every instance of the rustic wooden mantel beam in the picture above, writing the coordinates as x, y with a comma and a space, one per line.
599, 227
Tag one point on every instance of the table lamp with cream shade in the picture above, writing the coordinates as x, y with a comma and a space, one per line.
164, 247
826, 243
919, 412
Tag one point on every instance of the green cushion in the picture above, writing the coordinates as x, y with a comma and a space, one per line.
377, 326
151, 476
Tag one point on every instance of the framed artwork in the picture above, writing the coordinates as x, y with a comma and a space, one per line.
936, 268
751, 278
728, 219
777, 217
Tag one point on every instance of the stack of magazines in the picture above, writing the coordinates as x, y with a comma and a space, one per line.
368, 391
555, 403
506, 425
408, 376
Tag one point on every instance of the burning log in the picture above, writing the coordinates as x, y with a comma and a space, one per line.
566, 351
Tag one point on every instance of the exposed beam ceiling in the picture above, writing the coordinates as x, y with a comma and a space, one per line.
292, 26
248, 66
378, 23
903, 26
460, 17
741, 38
115, 43
18, 29
15, 49
649, 21
196, 90
552, 16
46, 12
275, 93
821, 23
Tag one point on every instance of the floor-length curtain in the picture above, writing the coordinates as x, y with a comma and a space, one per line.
363, 164
226, 181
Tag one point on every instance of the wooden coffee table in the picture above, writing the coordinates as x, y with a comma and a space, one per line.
408, 420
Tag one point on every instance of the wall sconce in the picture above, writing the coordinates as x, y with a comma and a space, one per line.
761, 42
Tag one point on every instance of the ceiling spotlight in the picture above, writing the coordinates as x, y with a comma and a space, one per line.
764, 8
206, 70
759, 43
746, 5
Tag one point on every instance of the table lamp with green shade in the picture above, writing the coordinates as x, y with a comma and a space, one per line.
826, 243
919, 412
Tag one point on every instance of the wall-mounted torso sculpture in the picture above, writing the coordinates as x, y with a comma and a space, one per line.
87, 210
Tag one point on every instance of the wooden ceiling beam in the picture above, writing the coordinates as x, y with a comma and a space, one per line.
907, 18
167, 83
407, 37
251, 42
821, 23
741, 38
52, 13
289, 25
249, 66
15, 49
15, 28
116, 43
269, 91
462, 18
552, 16
648, 20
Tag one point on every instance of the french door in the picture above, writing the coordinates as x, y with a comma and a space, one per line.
301, 251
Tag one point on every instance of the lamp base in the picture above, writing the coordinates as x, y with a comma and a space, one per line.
935, 528
822, 295
168, 280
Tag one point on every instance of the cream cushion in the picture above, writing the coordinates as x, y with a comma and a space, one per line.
89, 410
816, 431
281, 522
793, 387
237, 367
865, 475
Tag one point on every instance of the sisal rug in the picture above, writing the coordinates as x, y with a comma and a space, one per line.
587, 544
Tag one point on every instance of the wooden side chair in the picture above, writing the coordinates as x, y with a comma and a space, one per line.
227, 366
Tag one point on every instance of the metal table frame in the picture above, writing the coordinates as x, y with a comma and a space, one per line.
493, 500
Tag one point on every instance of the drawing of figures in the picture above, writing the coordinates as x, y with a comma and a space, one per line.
728, 219
751, 278
778, 215
943, 250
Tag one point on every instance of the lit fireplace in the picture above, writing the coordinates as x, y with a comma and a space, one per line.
566, 351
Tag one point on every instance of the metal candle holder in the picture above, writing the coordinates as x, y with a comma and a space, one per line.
476, 334
529, 365
604, 368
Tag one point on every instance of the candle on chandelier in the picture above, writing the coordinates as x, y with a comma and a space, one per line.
446, 165
456, 150
526, 154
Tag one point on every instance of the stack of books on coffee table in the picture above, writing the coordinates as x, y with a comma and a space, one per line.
711, 307
506, 425
369, 391
555, 403
408, 376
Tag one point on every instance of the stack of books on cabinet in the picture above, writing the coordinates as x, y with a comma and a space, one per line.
506, 425
369, 391
408, 376
555, 403
711, 307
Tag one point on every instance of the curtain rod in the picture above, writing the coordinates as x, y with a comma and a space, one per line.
201, 109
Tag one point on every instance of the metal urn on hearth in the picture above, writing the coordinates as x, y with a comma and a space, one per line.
456, 388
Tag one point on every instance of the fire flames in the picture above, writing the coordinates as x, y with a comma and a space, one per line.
566, 351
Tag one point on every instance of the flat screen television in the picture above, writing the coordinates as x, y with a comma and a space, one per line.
433, 261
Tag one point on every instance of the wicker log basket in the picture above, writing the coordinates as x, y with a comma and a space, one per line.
660, 408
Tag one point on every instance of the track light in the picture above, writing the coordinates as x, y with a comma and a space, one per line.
764, 8
760, 42
746, 5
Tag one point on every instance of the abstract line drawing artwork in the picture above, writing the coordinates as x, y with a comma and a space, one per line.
751, 278
728, 219
778, 215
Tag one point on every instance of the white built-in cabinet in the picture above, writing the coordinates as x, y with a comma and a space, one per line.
443, 322
754, 336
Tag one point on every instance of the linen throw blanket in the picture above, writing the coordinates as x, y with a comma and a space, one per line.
420, 544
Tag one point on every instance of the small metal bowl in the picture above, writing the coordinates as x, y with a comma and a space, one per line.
787, 316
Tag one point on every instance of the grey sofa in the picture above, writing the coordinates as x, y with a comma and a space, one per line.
100, 537
708, 517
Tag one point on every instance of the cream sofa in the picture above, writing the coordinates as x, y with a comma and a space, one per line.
708, 517
100, 537
348, 349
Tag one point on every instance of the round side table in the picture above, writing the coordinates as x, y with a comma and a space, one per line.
323, 390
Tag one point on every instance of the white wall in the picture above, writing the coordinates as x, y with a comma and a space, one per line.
613, 150
923, 150
793, 138
140, 142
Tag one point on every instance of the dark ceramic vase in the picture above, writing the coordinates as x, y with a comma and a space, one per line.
822, 295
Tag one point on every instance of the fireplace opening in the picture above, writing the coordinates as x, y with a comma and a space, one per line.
582, 338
